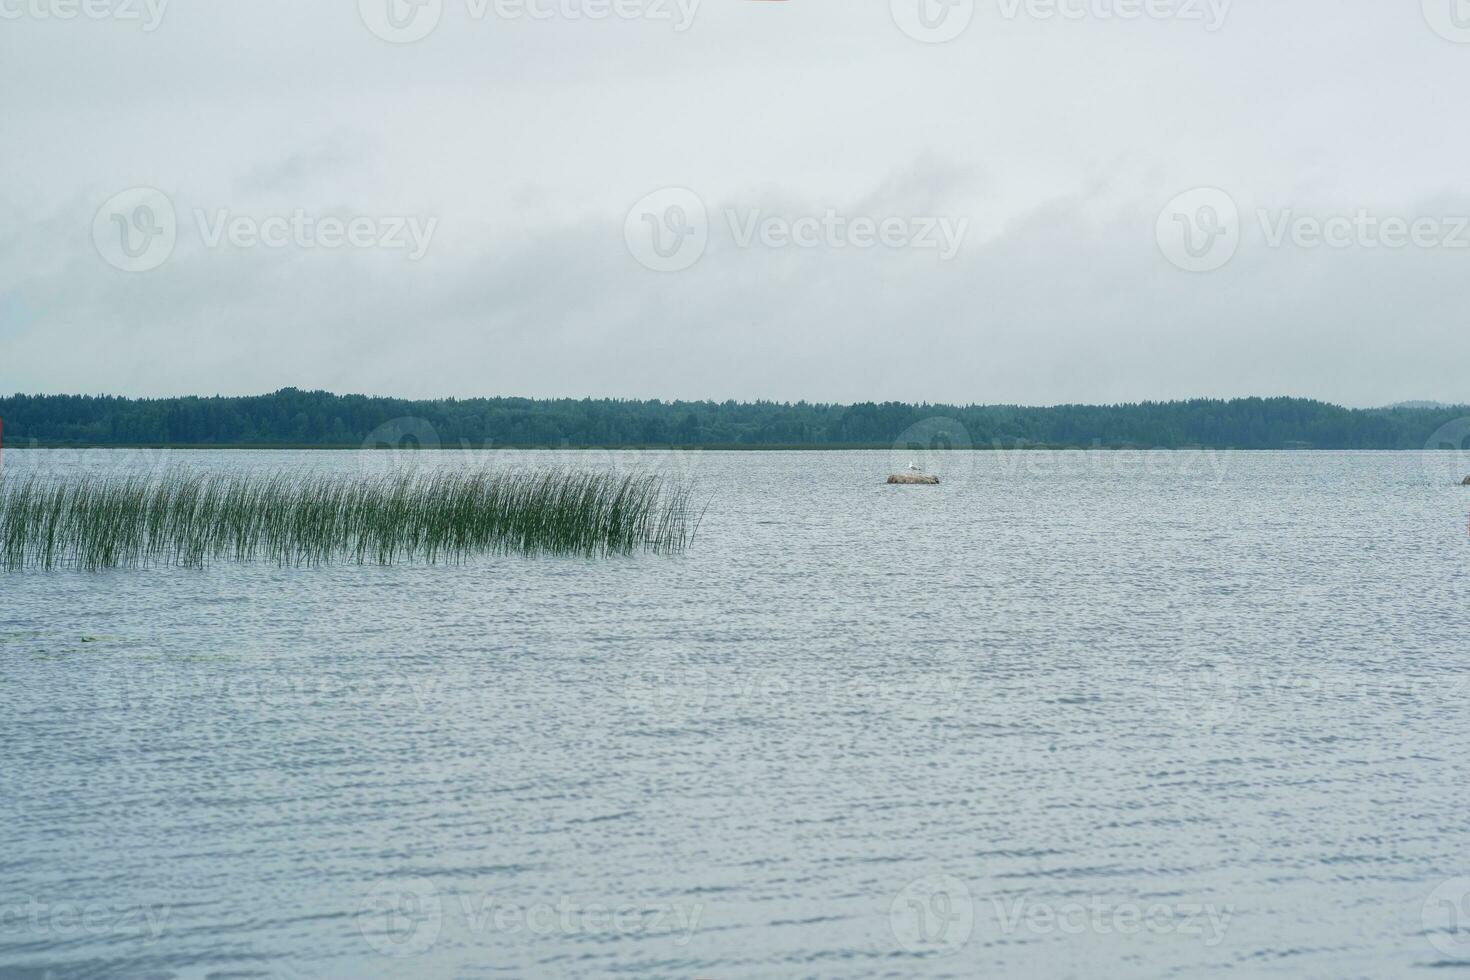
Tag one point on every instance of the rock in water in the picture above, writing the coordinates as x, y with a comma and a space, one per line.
1465, 482
923, 478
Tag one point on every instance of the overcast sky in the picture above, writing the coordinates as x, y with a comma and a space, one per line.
1024, 173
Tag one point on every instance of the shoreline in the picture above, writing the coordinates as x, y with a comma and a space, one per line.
715, 447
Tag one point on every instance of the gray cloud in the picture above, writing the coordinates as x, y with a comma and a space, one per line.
1059, 142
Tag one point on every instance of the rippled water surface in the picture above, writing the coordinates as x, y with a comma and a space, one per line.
1064, 715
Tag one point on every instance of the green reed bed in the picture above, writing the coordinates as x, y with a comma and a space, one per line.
191, 519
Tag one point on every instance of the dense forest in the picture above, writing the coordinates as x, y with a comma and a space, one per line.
291, 417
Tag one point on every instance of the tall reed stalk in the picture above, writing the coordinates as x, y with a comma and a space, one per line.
192, 519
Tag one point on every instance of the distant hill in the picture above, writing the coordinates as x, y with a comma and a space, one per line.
1418, 405
319, 418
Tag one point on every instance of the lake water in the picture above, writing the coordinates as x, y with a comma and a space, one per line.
1064, 715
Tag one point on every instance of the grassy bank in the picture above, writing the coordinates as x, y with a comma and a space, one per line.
294, 519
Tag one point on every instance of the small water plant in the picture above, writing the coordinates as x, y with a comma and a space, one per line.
294, 518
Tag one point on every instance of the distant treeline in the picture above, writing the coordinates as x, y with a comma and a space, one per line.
291, 417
